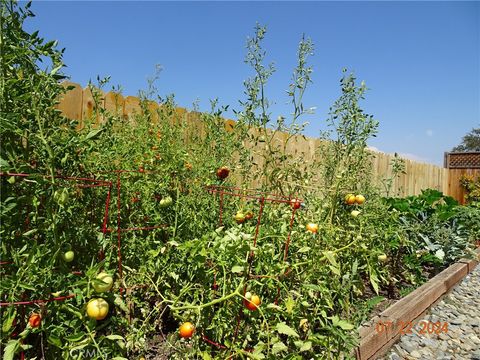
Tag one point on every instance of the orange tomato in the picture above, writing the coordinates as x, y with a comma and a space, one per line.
313, 228
359, 199
186, 330
35, 320
253, 303
350, 199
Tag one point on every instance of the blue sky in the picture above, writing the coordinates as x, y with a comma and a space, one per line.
421, 60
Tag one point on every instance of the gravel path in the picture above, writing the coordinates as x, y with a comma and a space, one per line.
460, 309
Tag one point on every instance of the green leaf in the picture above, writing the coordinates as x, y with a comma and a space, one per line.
330, 255
237, 269
10, 350
345, 325
30, 232
374, 282
114, 337
279, 347
206, 355
75, 337
284, 329
55, 341
92, 134
55, 70
8, 321
375, 301
304, 346
4, 163
25, 286
289, 304
334, 269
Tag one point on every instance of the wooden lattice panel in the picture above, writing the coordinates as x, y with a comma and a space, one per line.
467, 160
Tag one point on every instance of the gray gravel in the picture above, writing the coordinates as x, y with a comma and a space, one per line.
460, 309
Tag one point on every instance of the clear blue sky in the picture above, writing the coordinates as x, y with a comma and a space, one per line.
421, 60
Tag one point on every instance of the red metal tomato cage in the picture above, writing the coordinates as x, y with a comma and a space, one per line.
118, 176
263, 198
80, 183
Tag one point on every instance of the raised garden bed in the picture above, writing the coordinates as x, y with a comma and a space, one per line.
382, 331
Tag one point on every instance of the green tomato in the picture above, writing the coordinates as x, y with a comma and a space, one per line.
166, 202
103, 282
69, 256
355, 213
383, 258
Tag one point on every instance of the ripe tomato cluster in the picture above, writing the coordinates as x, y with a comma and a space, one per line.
252, 301
351, 199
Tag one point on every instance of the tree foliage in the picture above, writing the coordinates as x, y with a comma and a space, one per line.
470, 142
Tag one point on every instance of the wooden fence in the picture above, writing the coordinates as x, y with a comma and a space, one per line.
79, 104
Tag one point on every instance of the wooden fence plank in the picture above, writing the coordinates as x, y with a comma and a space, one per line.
70, 103
114, 103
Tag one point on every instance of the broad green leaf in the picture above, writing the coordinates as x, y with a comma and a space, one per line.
375, 301
4, 163
10, 350
284, 329
303, 346
279, 347
345, 325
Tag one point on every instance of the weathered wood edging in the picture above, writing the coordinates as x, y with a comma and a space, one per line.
375, 343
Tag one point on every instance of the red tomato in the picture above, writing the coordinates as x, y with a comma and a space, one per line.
295, 203
222, 173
